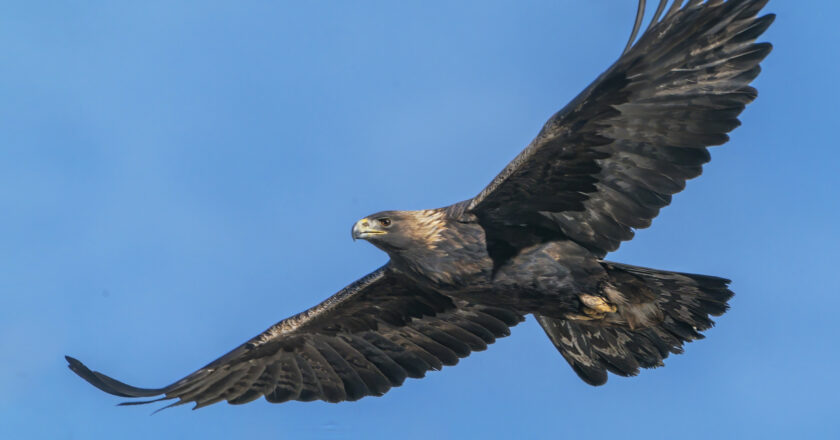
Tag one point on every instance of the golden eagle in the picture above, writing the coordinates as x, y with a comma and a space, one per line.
532, 242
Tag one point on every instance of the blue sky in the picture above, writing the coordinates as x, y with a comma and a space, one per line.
176, 177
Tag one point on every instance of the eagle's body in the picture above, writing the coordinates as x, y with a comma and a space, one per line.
532, 242
453, 258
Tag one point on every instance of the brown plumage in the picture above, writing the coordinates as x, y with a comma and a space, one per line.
531, 242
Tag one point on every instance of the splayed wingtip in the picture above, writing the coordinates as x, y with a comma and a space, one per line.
109, 384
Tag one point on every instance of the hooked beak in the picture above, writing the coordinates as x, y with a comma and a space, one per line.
365, 229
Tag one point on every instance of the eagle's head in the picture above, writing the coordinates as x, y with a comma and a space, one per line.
394, 231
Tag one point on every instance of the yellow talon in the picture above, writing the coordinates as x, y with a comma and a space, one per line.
593, 314
594, 308
597, 305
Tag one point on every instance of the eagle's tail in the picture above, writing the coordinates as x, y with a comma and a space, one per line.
656, 312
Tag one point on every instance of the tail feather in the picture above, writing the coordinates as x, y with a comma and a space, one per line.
658, 312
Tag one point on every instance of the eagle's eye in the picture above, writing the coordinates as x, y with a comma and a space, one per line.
385, 221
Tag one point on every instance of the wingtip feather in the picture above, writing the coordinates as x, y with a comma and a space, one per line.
106, 383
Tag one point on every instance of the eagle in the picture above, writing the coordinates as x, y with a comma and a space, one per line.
533, 242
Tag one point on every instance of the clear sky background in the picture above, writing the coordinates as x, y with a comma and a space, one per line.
177, 176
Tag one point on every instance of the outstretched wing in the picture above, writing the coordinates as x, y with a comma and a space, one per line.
608, 161
361, 341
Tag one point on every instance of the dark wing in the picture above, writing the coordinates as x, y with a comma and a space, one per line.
361, 341
608, 161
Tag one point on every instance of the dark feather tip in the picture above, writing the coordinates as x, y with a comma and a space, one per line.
108, 384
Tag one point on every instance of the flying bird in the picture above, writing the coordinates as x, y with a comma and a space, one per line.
532, 242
